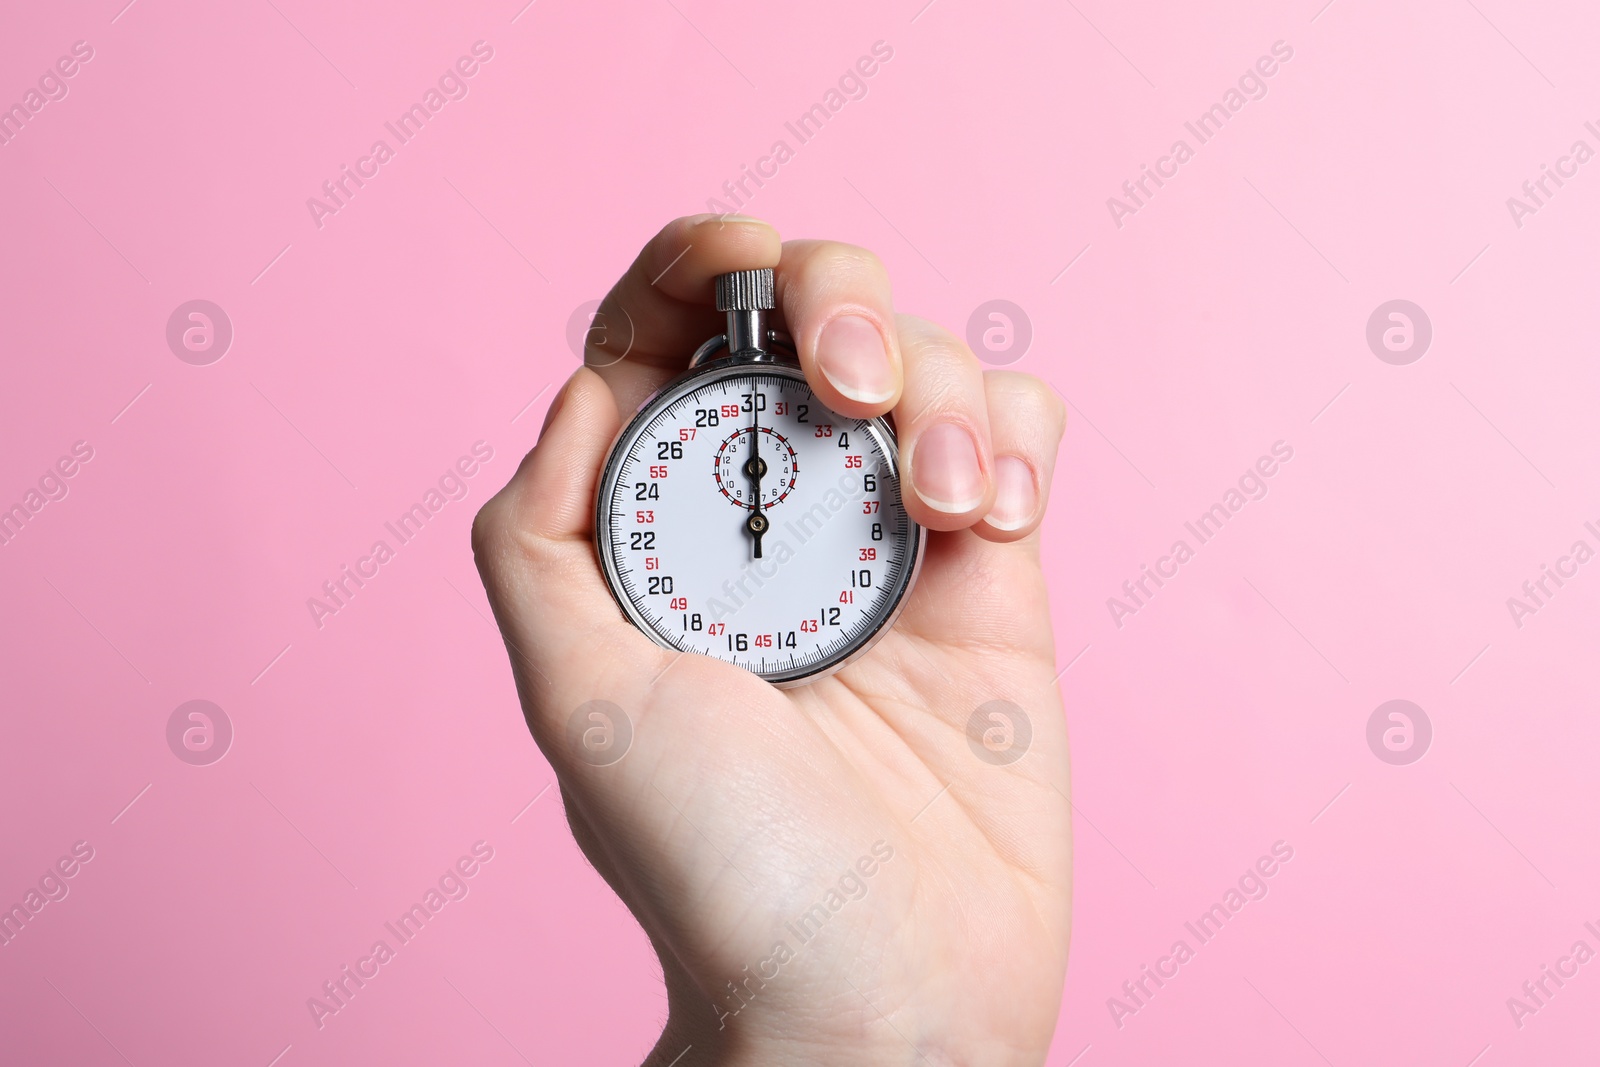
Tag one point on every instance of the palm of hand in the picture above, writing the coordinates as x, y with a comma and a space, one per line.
756, 810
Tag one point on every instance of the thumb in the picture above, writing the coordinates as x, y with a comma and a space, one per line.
533, 542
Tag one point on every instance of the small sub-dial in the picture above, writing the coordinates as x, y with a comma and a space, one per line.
739, 467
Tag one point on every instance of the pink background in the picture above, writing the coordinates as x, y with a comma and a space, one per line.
431, 312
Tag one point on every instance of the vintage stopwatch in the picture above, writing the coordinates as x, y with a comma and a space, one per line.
738, 517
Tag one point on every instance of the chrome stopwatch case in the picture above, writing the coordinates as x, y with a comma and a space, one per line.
738, 517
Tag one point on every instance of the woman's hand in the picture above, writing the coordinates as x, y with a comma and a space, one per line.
860, 870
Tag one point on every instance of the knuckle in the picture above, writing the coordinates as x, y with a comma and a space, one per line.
925, 333
929, 339
1026, 395
488, 531
861, 263
835, 272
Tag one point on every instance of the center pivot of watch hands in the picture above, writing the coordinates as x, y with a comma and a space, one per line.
755, 467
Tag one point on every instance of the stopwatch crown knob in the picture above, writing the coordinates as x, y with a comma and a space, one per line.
745, 290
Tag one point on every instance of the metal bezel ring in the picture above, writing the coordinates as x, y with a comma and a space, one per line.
707, 373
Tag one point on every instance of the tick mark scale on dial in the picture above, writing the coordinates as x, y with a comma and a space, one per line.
694, 583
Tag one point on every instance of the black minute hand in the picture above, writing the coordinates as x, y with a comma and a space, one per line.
757, 523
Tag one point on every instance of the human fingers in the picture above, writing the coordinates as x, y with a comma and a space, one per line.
942, 419
837, 307
1026, 421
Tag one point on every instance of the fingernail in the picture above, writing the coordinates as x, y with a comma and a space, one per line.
851, 356
703, 219
1015, 499
945, 471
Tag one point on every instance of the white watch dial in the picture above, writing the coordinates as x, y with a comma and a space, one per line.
679, 512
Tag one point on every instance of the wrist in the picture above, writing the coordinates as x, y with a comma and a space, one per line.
707, 1038
714, 1043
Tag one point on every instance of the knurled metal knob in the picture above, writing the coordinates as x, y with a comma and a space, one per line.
745, 290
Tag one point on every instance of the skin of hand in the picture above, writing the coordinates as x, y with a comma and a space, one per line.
829, 874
